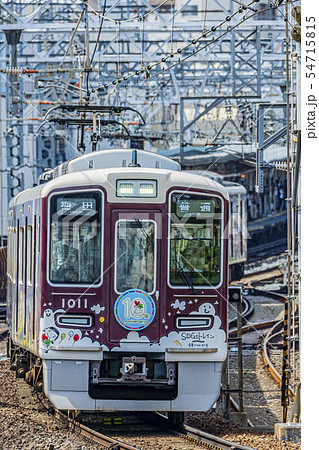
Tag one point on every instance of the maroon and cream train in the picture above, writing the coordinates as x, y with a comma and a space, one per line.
117, 284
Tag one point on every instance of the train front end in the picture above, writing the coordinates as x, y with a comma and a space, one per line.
134, 296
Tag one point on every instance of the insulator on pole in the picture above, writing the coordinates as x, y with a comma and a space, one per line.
296, 14
296, 33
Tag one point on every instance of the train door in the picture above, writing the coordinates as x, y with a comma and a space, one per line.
134, 273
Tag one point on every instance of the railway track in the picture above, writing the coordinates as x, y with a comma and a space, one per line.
273, 339
184, 433
211, 441
247, 312
263, 251
274, 334
190, 434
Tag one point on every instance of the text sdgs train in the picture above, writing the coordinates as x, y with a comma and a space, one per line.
117, 284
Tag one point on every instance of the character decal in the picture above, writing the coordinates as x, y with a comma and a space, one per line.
97, 309
179, 304
134, 309
214, 338
53, 335
205, 308
49, 336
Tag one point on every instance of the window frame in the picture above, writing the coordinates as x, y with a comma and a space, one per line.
222, 199
116, 256
102, 209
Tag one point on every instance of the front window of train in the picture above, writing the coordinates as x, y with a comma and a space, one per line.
195, 240
135, 255
75, 238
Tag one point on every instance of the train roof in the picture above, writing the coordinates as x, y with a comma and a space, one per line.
107, 178
104, 159
231, 187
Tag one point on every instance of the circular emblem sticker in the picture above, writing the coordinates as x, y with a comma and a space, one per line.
134, 309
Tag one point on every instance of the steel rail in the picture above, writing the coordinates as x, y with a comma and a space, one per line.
214, 441
249, 309
254, 326
83, 430
92, 434
271, 334
185, 432
195, 435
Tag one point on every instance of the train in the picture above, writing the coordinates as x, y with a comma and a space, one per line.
117, 284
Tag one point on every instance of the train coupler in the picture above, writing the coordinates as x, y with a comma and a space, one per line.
134, 369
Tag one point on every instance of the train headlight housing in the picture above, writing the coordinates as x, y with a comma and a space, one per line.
193, 322
136, 188
73, 320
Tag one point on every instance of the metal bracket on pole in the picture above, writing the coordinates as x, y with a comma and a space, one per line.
263, 143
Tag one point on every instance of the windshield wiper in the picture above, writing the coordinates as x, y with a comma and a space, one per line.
184, 277
140, 225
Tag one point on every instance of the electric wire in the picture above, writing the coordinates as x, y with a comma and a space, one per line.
180, 50
180, 60
99, 32
133, 19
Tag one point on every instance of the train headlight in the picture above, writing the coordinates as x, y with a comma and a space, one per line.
147, 189
125, 189
193, 322
73, 320
136, 188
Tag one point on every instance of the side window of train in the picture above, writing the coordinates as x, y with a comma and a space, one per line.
9, 273
37, 248
231, 240
21, 254
10, 249
243, 226
30, 255
14, 259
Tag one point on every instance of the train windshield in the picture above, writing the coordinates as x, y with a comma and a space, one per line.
135, 255
195, 240
75, 238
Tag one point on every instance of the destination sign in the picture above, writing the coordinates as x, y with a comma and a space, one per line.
196, 208
77, 206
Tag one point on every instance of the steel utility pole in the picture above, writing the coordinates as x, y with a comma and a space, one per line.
288, 309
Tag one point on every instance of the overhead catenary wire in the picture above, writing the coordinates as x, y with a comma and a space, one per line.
133, 19
180, 50
152, 65
147, 69
99, 32
180, 60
